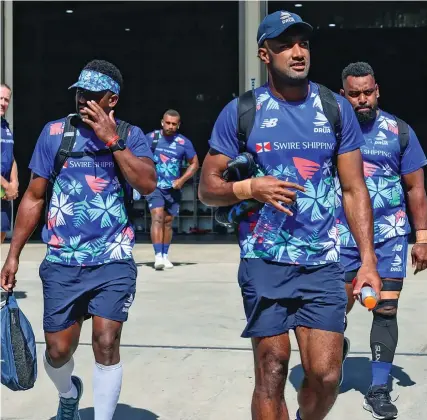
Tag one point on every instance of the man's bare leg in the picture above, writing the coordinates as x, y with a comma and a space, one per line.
157, 232
271, 358
321, 357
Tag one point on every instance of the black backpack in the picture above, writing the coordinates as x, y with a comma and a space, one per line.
403, 135
155, 141
65, 151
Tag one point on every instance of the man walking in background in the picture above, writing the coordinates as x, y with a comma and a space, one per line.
169, 149
393, 167
9, 169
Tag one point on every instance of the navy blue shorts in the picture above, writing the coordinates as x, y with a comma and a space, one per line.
6, 215
73, 292
280, 297
392, 256
168, 199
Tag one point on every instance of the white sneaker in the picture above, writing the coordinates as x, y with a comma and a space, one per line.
166, 262
159, 263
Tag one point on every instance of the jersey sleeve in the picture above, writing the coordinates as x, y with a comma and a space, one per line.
43, 158
352, 136
414, 157
138, 143
189, 150
224, 134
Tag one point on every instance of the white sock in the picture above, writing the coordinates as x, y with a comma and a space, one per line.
61, 377
159, 255
165, 256
107, 384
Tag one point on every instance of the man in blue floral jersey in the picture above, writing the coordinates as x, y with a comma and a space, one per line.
88, 269
294, 281
170, 149
393, 168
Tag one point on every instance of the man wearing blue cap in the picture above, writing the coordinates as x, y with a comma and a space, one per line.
303, 138
86, 165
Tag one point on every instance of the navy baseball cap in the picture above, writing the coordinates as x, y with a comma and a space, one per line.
276, 23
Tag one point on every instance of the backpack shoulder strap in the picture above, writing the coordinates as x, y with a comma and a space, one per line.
246, 109
331, 111
123, 130
155, 141
63, 153
403, 134
66, 146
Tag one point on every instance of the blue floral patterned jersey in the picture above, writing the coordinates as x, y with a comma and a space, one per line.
7, 144
87, 220
293, 140
169, 155
383, 168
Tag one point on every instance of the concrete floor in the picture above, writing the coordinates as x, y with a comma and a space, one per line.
182, 352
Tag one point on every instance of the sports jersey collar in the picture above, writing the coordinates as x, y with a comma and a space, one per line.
289, 103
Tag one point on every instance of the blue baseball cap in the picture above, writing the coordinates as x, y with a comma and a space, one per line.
96, 82
276, 23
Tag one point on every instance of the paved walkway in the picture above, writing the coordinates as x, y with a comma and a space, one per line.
183, 355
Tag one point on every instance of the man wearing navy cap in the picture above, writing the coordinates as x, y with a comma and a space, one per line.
293, 280
88, 269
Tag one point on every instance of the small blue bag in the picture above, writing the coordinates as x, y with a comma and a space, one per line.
18, 348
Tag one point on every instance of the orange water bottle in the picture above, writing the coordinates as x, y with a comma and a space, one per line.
367, 296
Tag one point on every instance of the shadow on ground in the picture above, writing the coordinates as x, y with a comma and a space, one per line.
176, 264
357, 375
123, 412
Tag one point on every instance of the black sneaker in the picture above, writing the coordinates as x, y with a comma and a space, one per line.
378, 402
345, 351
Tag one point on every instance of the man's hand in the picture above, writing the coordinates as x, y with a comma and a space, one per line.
11, 191
419, 257
268, 189
177, 184
10, 268
368, 274
104, 125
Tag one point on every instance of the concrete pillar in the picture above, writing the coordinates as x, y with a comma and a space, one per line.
7, 51
251, 72
7, 66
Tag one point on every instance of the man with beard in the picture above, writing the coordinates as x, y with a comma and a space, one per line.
169, 149
392, 169
87, 170
293, 281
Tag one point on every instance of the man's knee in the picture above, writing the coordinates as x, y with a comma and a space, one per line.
384, 332
106, 346
324, 379
157, 219
59, 352
168, 220
272, 370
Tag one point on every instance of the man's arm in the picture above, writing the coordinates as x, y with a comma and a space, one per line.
27, 218
189, 173
14, 174
11, 188
417, 204
215, 192
140, 173
357, 203
358, 212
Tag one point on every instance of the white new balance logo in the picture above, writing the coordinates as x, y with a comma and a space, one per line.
397, 264
397, 248
268, 123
